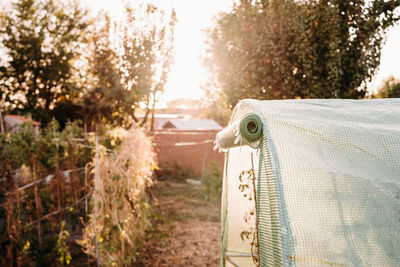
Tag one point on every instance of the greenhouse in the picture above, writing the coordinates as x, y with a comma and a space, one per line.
312, 183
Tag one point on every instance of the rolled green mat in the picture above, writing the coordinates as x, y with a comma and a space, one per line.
242, 132
251, 128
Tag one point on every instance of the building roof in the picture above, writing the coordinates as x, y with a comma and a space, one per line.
21, 119
192, 124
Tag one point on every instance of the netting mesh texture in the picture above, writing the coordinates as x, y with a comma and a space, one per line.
328, 182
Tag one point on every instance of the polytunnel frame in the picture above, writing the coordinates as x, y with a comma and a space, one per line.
273, 218
337, 162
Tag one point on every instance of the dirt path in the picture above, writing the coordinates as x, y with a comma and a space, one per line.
187, 232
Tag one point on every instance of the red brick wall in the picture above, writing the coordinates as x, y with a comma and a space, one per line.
189, 149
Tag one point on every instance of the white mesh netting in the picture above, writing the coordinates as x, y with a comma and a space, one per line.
328, 184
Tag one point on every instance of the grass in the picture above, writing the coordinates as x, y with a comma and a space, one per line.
181, 201
183, 218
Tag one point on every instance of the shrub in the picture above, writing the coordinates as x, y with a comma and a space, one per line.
174, 172
36, 195
212, 180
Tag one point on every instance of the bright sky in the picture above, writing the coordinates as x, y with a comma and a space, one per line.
390, 58
188, 73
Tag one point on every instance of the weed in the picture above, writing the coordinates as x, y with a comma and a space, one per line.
212, 180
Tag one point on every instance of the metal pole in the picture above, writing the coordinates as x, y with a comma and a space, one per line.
257, 239
96, 187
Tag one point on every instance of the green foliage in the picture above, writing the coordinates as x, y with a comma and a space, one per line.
60, 63
42, 39
212, 180
218, 111
63, 254
51, 148
147, 39
103, 93
390, 89
34, 207
299, 49
129, 64
173, 171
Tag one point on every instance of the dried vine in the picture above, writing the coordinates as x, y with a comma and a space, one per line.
247, 186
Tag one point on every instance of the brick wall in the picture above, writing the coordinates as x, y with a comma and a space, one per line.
189, 149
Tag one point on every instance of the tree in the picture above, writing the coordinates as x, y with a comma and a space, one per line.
298, 49
218, 112
129, 64
390, 88
215, 105
147, 40
103, 94
60, 64
41, 39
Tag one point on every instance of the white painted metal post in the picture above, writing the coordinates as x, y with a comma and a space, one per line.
96, 187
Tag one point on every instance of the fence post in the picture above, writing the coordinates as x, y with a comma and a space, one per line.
37, 200
1, 123
96, 187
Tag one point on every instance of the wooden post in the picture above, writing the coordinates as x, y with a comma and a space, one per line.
85, 128
152, 118
1, 123
58, 184
37, 200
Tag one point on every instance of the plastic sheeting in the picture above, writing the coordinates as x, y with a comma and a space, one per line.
328, 185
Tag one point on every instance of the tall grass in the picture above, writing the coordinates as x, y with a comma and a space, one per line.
123, 210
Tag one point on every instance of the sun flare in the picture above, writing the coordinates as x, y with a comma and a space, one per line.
187, 73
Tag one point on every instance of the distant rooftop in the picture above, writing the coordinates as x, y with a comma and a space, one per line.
171, 116
22, 119
192, 124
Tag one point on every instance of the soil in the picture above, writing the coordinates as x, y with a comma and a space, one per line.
186, 228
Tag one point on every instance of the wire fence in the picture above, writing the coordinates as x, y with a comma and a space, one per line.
47, 179
66, 173
24, 196
23, 192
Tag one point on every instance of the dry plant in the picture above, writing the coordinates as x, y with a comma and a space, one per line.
41, 186
123, 210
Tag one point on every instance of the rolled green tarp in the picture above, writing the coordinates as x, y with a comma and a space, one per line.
246, 131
